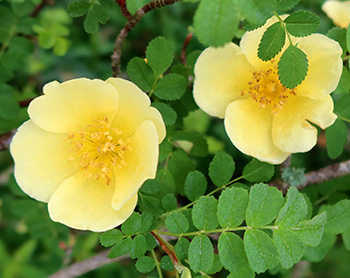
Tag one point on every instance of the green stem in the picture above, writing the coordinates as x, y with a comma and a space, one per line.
284, 27
214, 231
209, 194
159, 270
344, 119
153, 87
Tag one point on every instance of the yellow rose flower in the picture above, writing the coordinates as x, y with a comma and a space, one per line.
88, 147
338, 11
263, 118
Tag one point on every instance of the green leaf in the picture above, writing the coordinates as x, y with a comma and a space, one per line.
272, 42
150, 241
134, 5
216, 22
261, 251
292, 67
336, 137
217, 265
191, 60
232, 207
150, 204
138, 246
204, 213
160, 55
294, 210
195, 185
111, 237
169, 202
141, 74
179, 166
201, 253
221, 168
286, 4
146, 222
120, 248
177, 223
78, 8
256, 11
132, 225
311, 231
264, 204
168, 114
317, 254
289, 246
90, 23
233, 256
145, 264
341, 106
346, 239
340, 35
9, 108
257, 171
192, 143
171, 87
344, 82
150, 187
181, 248
302, 23
338, 217
166, 263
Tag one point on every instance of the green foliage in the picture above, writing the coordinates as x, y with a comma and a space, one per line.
264, 204
337, 217
204, 213
141, 74
292, 67
336, 137
339, 34
177, 223
221, 168
286, 4
168, 114
272, 41
96, 12
195, 185
232, 206
233, 256
216, 22
302, 23
111, 238
145, 264
201, 254
255, 11
171, 87
257, 171
261, 250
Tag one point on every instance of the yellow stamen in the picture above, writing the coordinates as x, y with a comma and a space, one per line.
266, 89
96, 149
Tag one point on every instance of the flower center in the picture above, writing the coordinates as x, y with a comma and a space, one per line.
96, 149
266, 89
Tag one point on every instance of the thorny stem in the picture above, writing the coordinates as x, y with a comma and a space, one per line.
132, 22
184, 47
124, 9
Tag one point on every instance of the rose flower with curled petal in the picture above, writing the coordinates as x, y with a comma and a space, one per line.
263, 118
88, 147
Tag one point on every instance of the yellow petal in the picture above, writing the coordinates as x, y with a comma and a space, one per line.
221, 74
41, 160
86, 205
249, 128
291, 130
338, 11
73, 104
325, 65
142, 161
135, 108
